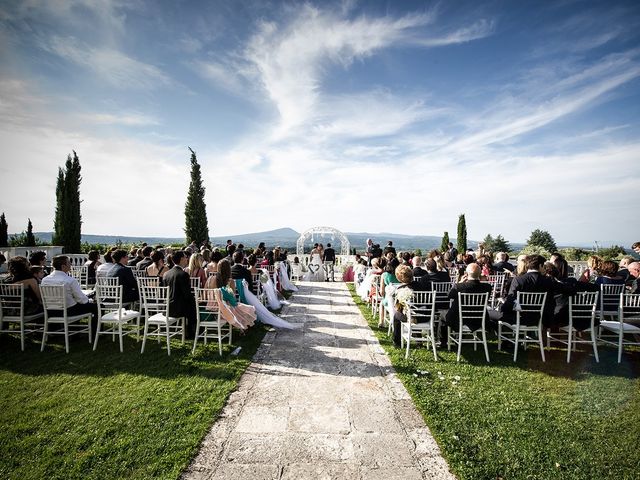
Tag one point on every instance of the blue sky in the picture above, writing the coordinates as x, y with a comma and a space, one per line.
366, 116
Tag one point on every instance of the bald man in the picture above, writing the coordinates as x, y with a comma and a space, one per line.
471, 285
634, 270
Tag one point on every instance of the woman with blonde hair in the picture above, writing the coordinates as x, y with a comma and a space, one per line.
594, 264
195, 269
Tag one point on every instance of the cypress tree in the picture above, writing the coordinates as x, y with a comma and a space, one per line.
73, 218
444, 246
4, 231
462, 234
30, 240
195, 211
58, 224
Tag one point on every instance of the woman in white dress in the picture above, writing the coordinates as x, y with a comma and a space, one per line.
315, 271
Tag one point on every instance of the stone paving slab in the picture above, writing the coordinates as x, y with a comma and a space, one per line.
320, 402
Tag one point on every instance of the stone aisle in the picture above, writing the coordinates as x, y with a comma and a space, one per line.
321, 401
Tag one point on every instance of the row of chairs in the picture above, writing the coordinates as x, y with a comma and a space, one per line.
617, 321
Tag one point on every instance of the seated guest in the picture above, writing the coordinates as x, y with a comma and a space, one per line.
418, 271
623, 271
433, 273
389, 248
239, 271
561, 308
39, 259
609, 274
521, 268
181, 300
195, 269
206, 257
77, 302
594, 263
260, 250
388, 277
405, 277
158, 268
125, 277
19, 272
562, 265
472, 284
253, 260
502, 263
268, 259
3, 264
406, 258
231, 249
634, 275
486, 266
212, 266
38, 273
531, 281
636, 247
136, 259
92, 265
235, 313
146, 258
104, 269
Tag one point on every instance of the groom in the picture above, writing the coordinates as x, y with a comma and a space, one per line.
329, 260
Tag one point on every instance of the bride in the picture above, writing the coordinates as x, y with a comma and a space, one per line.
315, 271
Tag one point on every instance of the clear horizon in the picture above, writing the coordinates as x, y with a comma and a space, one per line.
366, 116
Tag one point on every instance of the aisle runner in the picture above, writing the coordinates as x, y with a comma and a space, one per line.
321, 401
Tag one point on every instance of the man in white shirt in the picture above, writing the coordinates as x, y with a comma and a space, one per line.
77, 302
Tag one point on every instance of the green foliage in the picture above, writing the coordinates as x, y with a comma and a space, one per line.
462, 234
4, 231
495, 245
195, 211
30, 240
86, 247
418, 252
21, 240
68, 220
535, 250
107, 415
525, 420
575, 254
542, 238
444, 245
616, 252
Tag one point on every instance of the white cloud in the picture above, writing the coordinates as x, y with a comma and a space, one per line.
480, 29
129, 119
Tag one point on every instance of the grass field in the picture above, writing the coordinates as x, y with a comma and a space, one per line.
529, 420
106, 414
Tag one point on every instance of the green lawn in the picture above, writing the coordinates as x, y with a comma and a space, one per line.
529, 420
107, 414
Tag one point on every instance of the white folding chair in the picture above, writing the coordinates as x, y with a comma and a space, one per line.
208, 318
530, 303
12, 312
453, 274
81, 274
195, 283
296, 271
420, 324
442, 290
111, 312
497, 286
139, 273
628, 323
107, 281
54, 298
471, 306
582, 306
156, 311
609, 300
376, 298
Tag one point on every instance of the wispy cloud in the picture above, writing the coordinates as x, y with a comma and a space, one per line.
480, 29
129, 119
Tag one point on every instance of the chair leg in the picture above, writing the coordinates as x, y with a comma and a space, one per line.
449, 338
484, 343
184, 329
66, 336
459, 343
620, 337
516, 342
499, 336
95, 342
569, 338
168, 338
120, 333
541, 344
433, 343
22, 335
144, 335
44, 335
220, 339
406, 355
195, 340
595, 344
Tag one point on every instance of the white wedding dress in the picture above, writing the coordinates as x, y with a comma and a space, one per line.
315, 269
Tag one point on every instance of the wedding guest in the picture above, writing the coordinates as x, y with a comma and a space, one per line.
195, 269
434, 274
226, 248
125, 277
368, 250
561, 308
636, 247
268, 259
609, 274
77, 302
486, 266
92, 264
20, 273
388, 277
181, 300
241, 315
146, 259
231, 248
389, 248
594, 262
158, 268
634, 276
418, 271
239, 271
38, 273
521, 269
502, 263
252, 261
212, 266
38, 258
206, 257
3, 264
452, 251
405, 277
136, 258
623, 271
104, 269
260, 250
406, 258
169, 261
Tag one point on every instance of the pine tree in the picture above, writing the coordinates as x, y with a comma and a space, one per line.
462, 234
195, 211
501, 245
488, 243
444, 246
30, 240
4, 231
58, 224
542, 238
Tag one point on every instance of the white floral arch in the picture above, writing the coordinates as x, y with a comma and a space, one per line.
321, 232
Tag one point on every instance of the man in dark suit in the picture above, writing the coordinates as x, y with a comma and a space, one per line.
452, 251
136, 259
389, 248
418, 271
532, 281
181, 301
433, 273
471, 285
146, 260
503, 263
329, 255
239, 271
125, 277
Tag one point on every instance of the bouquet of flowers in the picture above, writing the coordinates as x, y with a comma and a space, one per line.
403, 297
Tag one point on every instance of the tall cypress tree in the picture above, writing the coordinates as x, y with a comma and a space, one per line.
30, 240
462, 234
444, 246
4, 231
73, 218
58, 224
195, 211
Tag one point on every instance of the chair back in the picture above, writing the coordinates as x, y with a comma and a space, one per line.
421, 305
53, 297
155, 300
139, 273
257, 284
11, 301
610, 297
453, 274
442, 290
195, 283
207, 305
269, 268
81, 274
530, 303
107, 281
630, 308
109, 298
148, 282
472, 306
583, 306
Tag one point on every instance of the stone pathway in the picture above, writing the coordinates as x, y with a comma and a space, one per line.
320, 402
